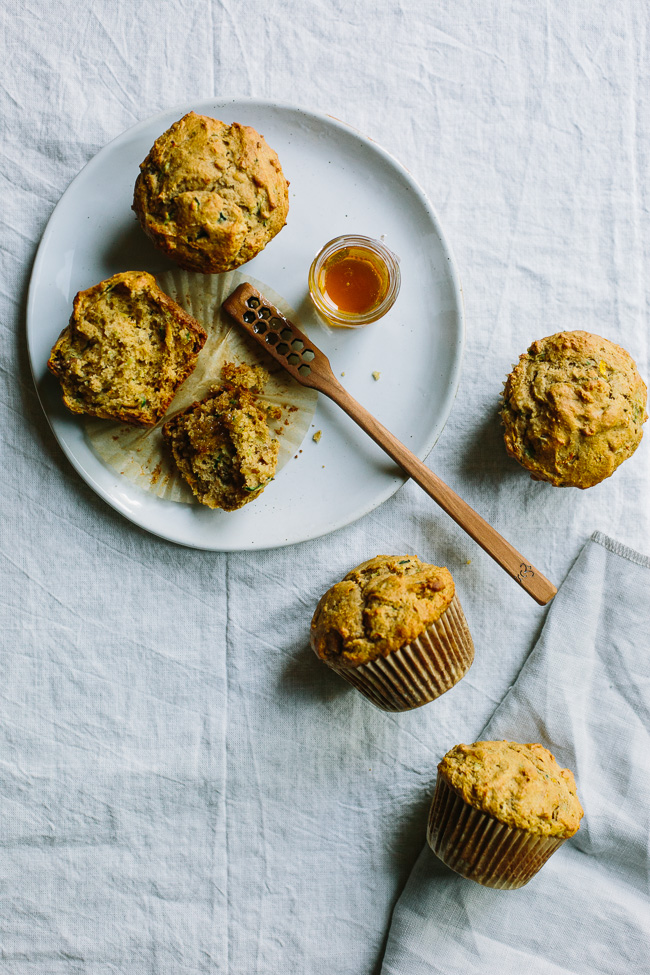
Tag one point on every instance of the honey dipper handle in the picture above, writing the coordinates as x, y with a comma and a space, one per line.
528, 577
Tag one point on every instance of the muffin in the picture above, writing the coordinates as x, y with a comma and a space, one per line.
126, 350
222, 445
573, 409
500, 810
140, 454
395, 630
211, 195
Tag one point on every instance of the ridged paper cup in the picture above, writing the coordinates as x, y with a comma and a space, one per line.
421, 671
479, 847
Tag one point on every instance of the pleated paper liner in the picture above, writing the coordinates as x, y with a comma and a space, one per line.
139, 454
421, 671
479, 847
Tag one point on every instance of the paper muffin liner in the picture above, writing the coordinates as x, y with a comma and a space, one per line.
139, 453
479, 847
421, 671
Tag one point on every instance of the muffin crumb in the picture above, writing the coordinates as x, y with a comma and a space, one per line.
222, 445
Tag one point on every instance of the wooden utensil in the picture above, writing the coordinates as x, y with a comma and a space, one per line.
296, 352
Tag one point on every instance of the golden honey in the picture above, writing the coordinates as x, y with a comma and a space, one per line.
354, 280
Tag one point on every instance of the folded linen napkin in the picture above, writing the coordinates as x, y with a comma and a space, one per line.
584, 692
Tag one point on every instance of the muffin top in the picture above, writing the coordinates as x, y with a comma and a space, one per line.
126, 350
573, 409
520, 785
211, 195
380, 606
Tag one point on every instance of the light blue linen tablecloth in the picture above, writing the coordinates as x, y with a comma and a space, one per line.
183, 787
584, 691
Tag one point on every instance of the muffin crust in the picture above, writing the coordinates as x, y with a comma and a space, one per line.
519, 785
573, 409
222, 445
381, 606
211, 195
126, 350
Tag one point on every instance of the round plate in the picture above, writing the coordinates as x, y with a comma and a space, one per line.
340, 183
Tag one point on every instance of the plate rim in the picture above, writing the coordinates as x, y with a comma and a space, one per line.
209, 104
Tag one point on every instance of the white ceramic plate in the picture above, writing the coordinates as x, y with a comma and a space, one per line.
341, 182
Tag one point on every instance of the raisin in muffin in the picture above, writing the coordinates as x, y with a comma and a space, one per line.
126, 350
395, 630
222, 445
573, 409
211, 195
500, 810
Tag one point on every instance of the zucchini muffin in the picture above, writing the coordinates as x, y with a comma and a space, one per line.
222, 445
394, 629
573, 409
211, 195
500, 810
126, 350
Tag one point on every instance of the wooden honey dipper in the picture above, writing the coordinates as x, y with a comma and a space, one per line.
296, 352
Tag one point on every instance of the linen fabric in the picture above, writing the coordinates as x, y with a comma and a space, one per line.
184, 787
585, 691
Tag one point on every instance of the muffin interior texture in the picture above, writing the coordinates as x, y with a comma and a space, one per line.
211, 195
382, 605
520, 785
126, 350
222, 445
573, 409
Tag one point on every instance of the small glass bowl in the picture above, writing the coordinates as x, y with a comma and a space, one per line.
385, 263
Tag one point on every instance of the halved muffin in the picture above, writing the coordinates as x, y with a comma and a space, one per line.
222, 445
125, 351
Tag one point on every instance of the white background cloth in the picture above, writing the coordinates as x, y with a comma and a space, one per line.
183, 787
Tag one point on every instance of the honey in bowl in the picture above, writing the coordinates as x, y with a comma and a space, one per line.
354, 280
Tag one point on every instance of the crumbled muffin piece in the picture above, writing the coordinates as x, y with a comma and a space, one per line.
573, 409
381, 606
126, 350
211, 195
519, 785
222, 445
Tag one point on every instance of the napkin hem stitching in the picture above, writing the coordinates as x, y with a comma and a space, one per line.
619, 549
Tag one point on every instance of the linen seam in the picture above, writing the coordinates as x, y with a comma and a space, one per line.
624, 551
